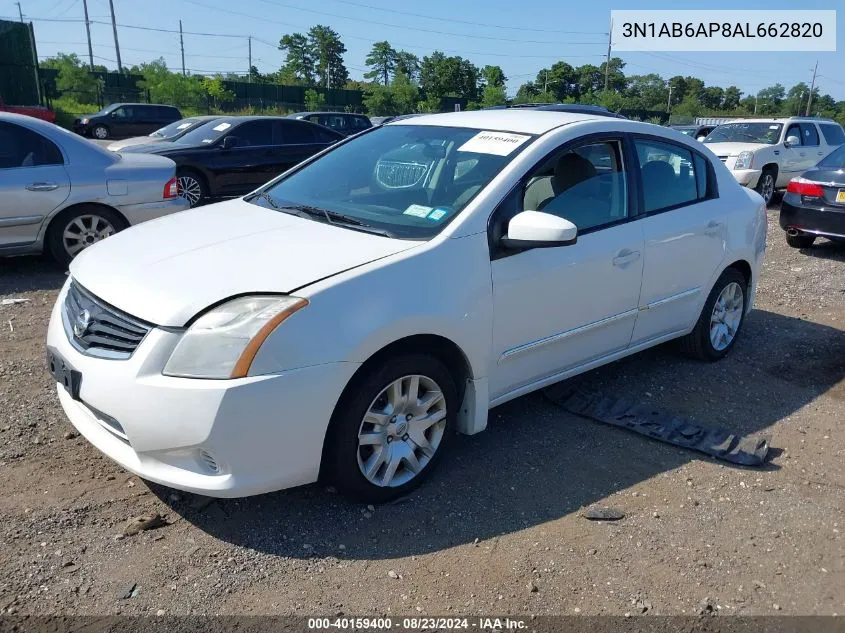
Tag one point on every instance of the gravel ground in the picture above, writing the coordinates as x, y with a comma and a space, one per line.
498, 528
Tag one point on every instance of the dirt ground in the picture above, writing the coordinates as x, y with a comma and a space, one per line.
498, 529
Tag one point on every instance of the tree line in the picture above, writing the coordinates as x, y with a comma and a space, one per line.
399, 82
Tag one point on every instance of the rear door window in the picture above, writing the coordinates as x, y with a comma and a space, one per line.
669, 175
253, 134
293, 133
21, 147
833, 134
809, 136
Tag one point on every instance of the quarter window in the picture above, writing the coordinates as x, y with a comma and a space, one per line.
671, 176
809, 136
832, 133
586, 185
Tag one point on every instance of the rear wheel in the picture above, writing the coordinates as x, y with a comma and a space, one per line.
800, 241
721, 319
74, 230
388, 433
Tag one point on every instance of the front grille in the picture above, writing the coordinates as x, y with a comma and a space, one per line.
97, 329
400, 175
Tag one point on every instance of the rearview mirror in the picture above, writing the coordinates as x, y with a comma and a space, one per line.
229, 142
792, 140
535, 229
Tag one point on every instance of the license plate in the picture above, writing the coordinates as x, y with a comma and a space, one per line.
840, 196
64, 374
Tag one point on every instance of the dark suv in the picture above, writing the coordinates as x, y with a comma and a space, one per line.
344, 122
120, 120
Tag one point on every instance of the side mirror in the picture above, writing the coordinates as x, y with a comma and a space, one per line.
792, 140
700, 137
535, 229
229, 142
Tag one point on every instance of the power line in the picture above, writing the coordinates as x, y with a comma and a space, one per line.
420, 29
471, 23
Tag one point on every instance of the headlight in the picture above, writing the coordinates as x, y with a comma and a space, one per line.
743, 161
223, 342
84, 121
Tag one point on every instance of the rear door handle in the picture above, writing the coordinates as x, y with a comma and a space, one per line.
42, 186
714, 227
625, 257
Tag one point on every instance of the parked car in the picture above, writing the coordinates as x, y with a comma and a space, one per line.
232, 156
814, 203
382, 120
698, 132
168, 133
120, 120
342, 323
61, 193
580, 108
765, 154
343, 122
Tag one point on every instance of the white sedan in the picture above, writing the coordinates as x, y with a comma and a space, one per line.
343, 321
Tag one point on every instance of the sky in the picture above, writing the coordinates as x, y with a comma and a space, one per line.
521, 37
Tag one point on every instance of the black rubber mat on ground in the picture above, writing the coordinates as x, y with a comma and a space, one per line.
661, 425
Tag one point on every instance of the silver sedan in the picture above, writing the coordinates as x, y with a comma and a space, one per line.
62, 193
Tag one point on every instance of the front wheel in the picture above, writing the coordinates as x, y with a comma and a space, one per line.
392, 427
723, 314
100, 132
766, 186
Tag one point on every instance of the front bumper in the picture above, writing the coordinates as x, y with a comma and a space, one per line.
747, 177
824, 221
137, 213
263, 433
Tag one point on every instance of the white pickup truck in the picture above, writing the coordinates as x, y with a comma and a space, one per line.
765, 154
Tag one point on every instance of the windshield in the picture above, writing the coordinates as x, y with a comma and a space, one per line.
107, 109
834, 160
767, 133
208, 132
176, 128
405, 180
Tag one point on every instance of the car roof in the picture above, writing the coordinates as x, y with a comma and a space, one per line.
520, 120
300, 114
783, 119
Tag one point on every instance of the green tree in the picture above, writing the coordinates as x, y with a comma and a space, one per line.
400, 97
731, 99
442, 76
493, 76
493, 96
615, 76
314, 100
677, 89
590, 79
73, 78
647, 92
327, 52
770, 100
299, 61
712, 97
408, 64
216, 91
165, 86
382, 61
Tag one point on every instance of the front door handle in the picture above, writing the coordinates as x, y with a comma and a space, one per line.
821, 153
42, 186
714, 227
625, 257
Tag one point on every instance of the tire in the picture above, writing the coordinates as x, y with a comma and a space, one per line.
700, 343
76, 229
766, 185
390, 437
191, 186
100, 132
800, 241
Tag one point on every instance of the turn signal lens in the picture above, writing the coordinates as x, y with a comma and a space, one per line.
171, 189
805, 187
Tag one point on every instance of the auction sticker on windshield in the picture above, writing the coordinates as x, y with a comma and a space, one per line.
222, 126
497, 143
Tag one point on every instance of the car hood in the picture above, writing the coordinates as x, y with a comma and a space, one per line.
133, 142
734, 149
166, 271
153, 148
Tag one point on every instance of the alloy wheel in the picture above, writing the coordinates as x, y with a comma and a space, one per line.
726, 316
401, 431
101, 133
767, 187
189, 188
84, 230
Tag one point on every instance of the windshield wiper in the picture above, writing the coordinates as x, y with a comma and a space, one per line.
265, 196
333, 217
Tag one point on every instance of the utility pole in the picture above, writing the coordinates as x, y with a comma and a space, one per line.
329, 74
88, 32
182, 47
812, 87
607, 62
116, 43
249, 68
755, 102
669, 101
20, 11
545, 81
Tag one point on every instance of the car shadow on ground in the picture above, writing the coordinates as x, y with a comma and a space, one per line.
826, 249
27, 273
536, 462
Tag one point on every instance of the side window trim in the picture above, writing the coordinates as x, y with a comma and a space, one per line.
711, 193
